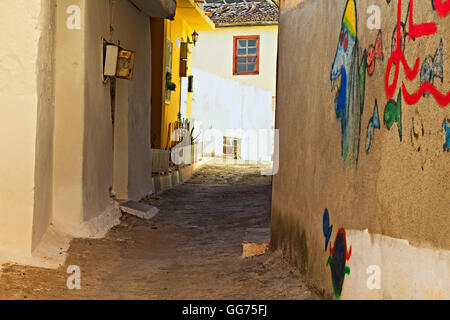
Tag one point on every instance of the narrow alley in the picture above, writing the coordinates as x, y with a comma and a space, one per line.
191, 249
116, 117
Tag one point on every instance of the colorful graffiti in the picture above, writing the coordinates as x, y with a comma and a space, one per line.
397, 58
442, 8
417, 131
393, 114
375, 52
339, 255
432, 67
403, 35
348, 76
337, 262
446, 134
327, 229
374, 123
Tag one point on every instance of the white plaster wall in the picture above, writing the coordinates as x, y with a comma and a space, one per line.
84, 167
45, 122
69, 121
406, 272
214, 54
227, 107
132, 29
56, 124
97, 147
226, 102
20, 95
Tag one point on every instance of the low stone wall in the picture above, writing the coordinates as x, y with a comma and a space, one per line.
172, 179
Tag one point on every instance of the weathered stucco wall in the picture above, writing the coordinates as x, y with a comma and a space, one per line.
97, 148
132, 29
86, 165
69, 120
361, 185
25, 104
57, 126
45, 122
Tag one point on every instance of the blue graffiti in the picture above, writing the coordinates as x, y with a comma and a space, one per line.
446, 132
327, 229
432, 67
348, 76
341, 101
376, 118
374, 122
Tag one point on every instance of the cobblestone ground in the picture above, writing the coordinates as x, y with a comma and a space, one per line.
191, 250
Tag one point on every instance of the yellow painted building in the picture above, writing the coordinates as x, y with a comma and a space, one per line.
172, 63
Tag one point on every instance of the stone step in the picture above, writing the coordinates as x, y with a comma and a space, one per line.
141, 210
256, 242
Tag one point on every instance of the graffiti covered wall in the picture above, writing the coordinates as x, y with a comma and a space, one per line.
363, 115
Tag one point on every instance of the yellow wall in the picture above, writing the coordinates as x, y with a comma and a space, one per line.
179, 28
189, 17
158, 39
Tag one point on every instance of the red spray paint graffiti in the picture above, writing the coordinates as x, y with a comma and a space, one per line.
442, 7
397, 58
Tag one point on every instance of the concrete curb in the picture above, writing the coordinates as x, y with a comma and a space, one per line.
162, 183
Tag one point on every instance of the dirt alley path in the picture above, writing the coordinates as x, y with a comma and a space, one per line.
191, 250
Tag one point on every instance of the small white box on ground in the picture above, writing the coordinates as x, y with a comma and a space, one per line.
138, 209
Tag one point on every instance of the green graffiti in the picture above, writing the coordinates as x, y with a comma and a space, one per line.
362, 78
393, 114
337, 287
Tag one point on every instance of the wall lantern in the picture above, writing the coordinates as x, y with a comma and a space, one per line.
194, 37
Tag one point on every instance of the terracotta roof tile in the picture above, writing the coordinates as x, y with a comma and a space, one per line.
239, 11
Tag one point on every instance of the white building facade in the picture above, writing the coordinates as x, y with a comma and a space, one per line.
234, 67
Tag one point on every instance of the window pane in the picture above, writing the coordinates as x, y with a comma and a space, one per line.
252, 43
242, 52
241, 67
246, 55
252, 51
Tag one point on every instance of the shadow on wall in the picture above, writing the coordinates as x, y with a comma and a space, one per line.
291, 239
